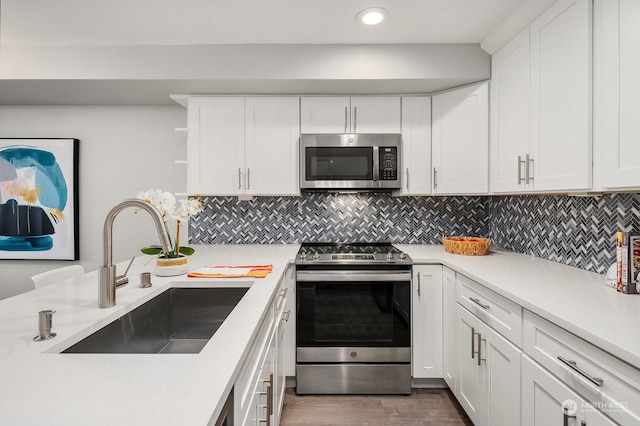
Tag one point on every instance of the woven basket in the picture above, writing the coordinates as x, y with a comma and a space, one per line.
469, 246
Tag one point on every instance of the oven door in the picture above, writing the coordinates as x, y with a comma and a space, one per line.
353, 316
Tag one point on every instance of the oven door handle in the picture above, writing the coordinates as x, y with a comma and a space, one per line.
352, 276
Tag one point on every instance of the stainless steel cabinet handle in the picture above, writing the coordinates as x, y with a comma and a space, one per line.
286, 315
346, 114
527, 175
284, 291
248, 178
477, 302
566, 416
473, 343
520, 178
355, 118
407, 174
435, 180
239, 179
480, 340
419, 282
574, 366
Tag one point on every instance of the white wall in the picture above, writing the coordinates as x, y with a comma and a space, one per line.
123, 149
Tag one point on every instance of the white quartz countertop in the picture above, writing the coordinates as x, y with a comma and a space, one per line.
574, 299
41, 386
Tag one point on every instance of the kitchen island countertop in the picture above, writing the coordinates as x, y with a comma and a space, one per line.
41, 386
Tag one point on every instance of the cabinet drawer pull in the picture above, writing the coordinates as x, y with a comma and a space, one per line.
407, 174
239, 179
419, 283
355, 118
346, 113
284, 291
477, 302
286, 315
520, 178
527, 176
473, 343
480, 340
248, 178
574, 366
435, 175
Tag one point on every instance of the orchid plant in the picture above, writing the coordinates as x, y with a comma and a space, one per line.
170, 209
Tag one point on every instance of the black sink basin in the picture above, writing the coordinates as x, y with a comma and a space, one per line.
179, 320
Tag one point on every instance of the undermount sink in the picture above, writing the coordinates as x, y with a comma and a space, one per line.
179, 320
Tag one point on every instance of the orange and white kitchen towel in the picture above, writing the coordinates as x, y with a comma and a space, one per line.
235, 271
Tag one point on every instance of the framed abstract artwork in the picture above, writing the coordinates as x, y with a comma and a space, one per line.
39, 199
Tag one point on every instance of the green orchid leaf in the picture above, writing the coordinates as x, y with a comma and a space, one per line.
151, 250
187, 251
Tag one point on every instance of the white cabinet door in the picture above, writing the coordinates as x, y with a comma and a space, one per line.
502, 366
617, 116
416, 145
342, 114
427, 321
509, 115
449, 336
375, 114
460, 140
548, 401
561, 148
471, 391
325, 114
215, 148
271, 145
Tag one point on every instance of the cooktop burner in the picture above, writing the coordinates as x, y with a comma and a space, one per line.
318, 253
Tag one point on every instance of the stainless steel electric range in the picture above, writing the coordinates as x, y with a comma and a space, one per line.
353, 319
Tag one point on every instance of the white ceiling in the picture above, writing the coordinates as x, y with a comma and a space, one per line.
180, 22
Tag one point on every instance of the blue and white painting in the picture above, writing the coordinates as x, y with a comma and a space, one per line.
38, 199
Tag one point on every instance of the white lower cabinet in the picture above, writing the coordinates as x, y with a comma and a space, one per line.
427, 322
546, 401
449, 334
259, 388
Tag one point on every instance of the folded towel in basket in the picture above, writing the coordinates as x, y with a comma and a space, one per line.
235, 271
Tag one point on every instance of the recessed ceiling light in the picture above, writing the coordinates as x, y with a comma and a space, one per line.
372, 16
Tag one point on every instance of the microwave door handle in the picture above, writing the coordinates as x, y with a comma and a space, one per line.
376, 164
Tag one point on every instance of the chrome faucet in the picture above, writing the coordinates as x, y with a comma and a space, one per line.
107, 272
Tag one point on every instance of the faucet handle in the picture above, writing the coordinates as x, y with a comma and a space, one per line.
123, 279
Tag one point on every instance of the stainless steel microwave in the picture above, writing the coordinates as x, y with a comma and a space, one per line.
350, 161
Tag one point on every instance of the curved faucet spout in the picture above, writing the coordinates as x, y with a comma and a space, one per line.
107, 272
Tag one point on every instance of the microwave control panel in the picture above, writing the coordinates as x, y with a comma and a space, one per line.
388, 163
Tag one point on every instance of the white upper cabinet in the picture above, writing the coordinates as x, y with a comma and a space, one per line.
272, 130
561, 144
358, 114
541, 116
215, 147
509, 114
243, 146
416, 145
460, 141
617, 86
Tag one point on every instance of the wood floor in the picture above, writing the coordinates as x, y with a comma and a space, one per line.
422, 407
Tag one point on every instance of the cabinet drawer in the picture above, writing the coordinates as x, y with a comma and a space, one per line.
497, 311
604, 381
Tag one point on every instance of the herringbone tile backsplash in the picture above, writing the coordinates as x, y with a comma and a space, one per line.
578, 231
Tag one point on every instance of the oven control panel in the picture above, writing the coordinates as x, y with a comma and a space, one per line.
388, 162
